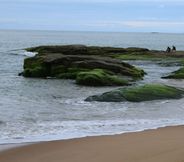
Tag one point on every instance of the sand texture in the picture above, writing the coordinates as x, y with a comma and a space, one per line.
161, 145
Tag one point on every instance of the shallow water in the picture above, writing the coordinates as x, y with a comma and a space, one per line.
40, 109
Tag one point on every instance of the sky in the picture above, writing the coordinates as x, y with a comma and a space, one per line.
94, 15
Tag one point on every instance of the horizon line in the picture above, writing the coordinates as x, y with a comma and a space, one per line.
93, 31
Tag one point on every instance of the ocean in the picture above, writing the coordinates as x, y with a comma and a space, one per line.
49, 109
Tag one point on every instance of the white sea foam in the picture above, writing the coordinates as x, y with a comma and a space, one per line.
21, 53
76, 129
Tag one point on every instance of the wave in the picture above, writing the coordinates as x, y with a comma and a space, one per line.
19, 52
77, 129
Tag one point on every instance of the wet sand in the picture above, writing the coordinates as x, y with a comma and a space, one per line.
160, 145
12, 145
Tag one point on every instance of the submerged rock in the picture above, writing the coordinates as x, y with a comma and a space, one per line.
81, 63
137, 94
178, 74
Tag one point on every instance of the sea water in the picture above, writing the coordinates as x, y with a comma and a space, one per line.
49, 109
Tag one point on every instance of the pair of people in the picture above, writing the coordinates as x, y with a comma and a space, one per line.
171, 50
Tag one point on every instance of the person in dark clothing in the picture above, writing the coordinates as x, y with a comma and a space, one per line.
168, 50
173, 49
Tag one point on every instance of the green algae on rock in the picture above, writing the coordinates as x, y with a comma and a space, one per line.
83, 50
178, 74
146, 92
152, 55
99, 77
77, 61
34, 67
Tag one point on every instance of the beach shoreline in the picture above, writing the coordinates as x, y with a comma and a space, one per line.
161, 145
8, 146
15, 144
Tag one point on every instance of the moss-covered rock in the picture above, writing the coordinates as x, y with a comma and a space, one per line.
178, 74
58, 69
151, 55
137, 94
83, 50
70, 73
99, 77
58, 63
33, 62
88, 65
35, 67
37, 72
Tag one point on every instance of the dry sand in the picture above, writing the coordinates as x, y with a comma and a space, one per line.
161, 145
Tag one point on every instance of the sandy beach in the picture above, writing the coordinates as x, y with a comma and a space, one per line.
160, 145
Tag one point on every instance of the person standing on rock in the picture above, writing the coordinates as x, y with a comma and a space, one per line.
173, 49
168, 50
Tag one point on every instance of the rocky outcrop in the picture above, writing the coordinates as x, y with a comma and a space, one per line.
178, 74
84, 50
138, 94
81, 63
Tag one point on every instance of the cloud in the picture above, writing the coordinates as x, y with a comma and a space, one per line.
95, 14
138, 24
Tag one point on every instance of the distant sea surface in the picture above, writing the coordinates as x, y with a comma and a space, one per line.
50, 109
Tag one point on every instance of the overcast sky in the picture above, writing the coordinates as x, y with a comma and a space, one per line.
93, 15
